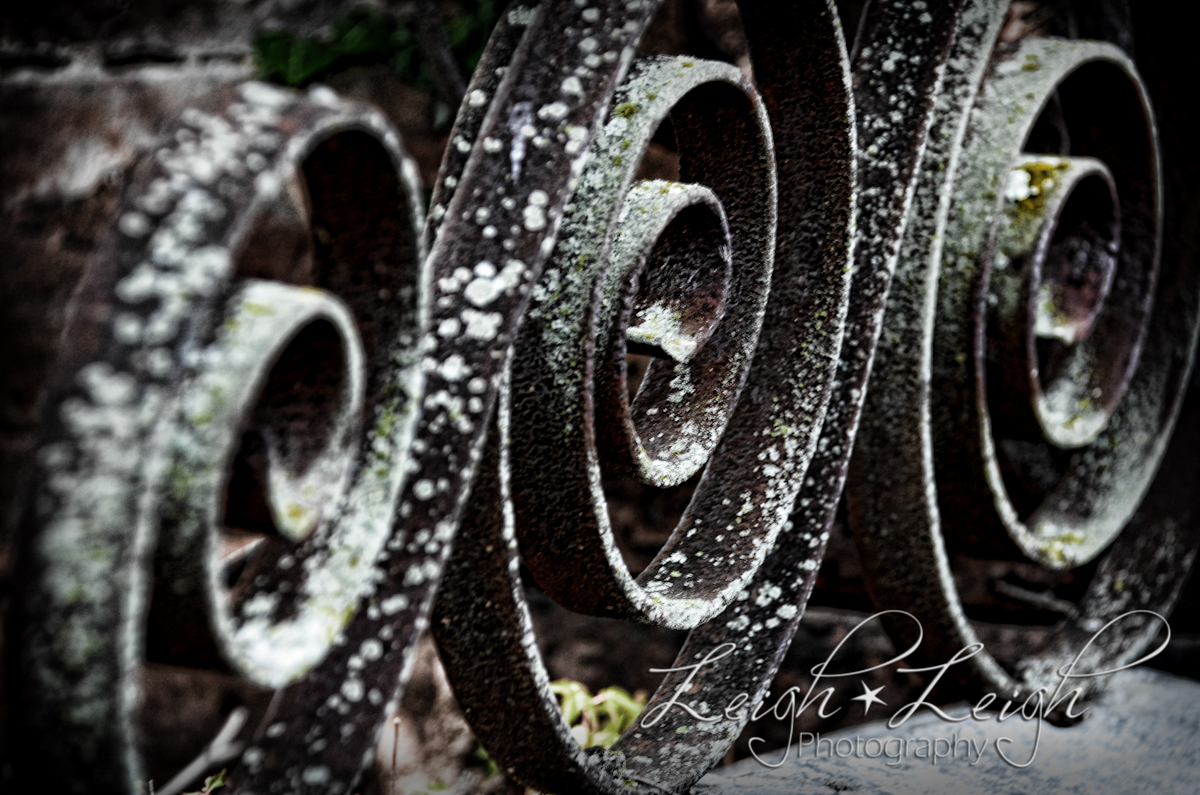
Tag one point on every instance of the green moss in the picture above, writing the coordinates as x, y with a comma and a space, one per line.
626, 110
1044, 176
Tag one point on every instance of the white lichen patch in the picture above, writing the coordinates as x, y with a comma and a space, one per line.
660, 326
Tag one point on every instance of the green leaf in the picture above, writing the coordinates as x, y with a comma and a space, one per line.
365, 37
210, 784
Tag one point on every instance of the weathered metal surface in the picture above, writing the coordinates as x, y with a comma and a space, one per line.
893, 108
670, 429
125, 441
68, 139
272, 370
968, 449
1063, 356
486, 636
277, 427
481, 276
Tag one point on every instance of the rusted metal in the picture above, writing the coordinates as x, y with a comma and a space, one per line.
480, 283
670, 429
129, 435
1062, 368
285, 416
482, 623
969, 446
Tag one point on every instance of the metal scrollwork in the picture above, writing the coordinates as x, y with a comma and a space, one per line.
754, 473
1032, 360
290, 410
192, 341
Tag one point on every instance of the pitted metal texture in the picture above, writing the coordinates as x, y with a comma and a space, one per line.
290, 408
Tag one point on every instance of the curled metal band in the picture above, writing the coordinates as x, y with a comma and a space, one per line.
528, 119
274, 413
1033, 356
267, 328
668, 432
168, 350
361, 435
775, 438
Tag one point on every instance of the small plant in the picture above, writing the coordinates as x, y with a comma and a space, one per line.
366, 37
211, 784
594, 720
599, 719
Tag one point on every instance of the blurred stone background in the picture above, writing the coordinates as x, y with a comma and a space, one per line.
84, 87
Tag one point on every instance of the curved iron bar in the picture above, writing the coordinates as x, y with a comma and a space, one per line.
128, 433
490, 379
482, 624
1007, 360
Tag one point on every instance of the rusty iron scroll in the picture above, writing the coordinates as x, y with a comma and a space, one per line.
1032, 365
711, 576
291, 408
328, 606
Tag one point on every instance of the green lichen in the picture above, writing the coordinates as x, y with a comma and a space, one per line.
1055, 546
260, 310
1043, 178
626, 110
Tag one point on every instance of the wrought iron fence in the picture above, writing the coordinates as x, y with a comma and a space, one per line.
288, 407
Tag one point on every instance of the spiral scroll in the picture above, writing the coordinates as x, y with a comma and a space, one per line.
142, 462
754, 474
171, 346
1033, 357
286, 415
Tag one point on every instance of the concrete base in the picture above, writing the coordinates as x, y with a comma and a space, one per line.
1141, 737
